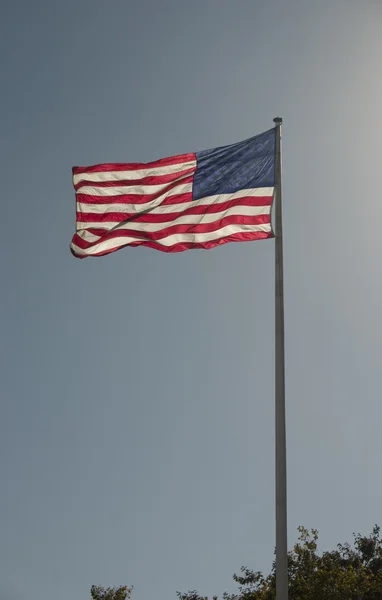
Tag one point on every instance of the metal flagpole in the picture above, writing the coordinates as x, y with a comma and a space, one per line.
280, 429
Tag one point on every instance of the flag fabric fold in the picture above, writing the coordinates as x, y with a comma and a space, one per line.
197, 200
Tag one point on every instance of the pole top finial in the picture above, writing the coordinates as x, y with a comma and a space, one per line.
277, 120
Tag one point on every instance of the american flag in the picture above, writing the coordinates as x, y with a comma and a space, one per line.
198, 200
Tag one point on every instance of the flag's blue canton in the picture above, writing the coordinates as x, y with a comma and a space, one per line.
228, 169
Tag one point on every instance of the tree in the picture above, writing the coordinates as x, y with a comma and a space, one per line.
111, 593
347, 573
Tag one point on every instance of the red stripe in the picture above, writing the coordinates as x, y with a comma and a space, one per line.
152, 180
163, 162
134, 199
181, 246
87, 217
178, 199
244, 200
178, 229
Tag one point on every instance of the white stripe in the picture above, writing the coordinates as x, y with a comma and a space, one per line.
140, 190
99, 176
193, 238
251, 211
155, 205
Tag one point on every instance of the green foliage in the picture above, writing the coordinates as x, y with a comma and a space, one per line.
112, 593
347, 573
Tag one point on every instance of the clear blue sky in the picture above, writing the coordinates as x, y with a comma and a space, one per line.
136, 426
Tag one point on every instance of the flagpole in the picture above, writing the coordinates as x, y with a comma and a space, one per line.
280, 421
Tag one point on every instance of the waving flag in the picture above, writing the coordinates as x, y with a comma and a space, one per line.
198, 200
